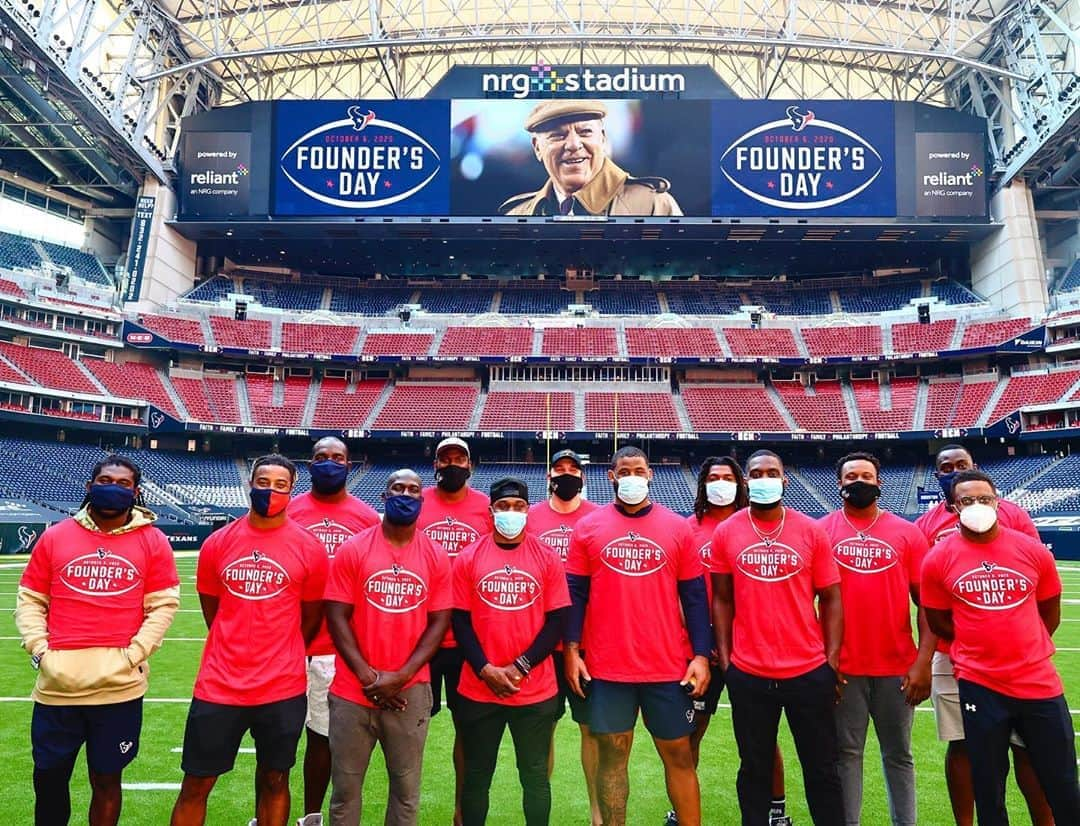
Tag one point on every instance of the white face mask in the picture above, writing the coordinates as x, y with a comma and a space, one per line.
633, 489
978, 518
721, 492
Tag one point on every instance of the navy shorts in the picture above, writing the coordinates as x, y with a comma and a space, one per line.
666, 708
214, 731
708, 702
111, 734
579, 708
445, 672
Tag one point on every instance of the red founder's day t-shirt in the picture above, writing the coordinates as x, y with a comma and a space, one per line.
455, 526
392, 591
993, 591
941, 522
634, 628
331, 523
508, 592
703, 532
777, 633
96, 582
878, 565
254, 652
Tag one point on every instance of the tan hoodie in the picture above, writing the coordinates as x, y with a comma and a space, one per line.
99, 675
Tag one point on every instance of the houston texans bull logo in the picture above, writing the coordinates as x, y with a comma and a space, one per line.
157, 420
359, 118
799, 119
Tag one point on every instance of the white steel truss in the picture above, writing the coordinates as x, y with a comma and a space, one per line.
144, 64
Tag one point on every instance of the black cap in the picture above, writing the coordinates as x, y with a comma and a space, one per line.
567, 454
509, 486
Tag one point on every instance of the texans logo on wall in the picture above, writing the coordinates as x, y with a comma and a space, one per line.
822, 158
378, 157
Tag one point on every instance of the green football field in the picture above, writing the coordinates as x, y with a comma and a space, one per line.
152, 780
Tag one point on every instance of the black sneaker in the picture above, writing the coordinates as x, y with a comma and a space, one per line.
670, 819
780, 820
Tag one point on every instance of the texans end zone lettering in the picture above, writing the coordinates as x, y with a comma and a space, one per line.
797, 158
362, 158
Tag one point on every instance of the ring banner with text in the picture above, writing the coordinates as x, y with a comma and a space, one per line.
601, 158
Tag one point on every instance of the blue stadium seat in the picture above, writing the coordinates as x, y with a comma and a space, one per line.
534, 301
453, 299
952, 292
83, 264
624, 298
1071, 280
786, 300
368, 300
212, 290
287, 296
17, 252
879, 298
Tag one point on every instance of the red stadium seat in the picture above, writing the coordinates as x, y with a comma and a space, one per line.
989, 333
772, 343
290, 413
49, 368
820, 410
337, 406
864, 340
580, 341
253, 334
672, 342
653, 412
516, 410
132, 380
487, 341
901, 414
1033, 388
732, 407
397, 344
330, 339
428, 406
172, 328
923, 338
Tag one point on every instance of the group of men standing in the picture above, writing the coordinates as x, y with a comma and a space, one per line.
323, 617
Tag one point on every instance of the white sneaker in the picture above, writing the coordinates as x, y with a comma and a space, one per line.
253, 822
310, 820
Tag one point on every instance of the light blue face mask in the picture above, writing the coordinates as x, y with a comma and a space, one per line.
767, 490
632, 490
510, 523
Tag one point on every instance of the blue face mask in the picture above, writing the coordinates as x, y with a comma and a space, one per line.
328, 476
946, 482
768, 490
510, 523
402, 510
111, 498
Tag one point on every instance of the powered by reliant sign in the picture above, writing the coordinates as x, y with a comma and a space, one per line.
216, 176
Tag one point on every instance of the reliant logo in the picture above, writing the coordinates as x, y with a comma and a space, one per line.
542, 79
255, 577
993, 588
633, 555
769, 563
865, 555
100, 573
395, 590
801, 162
360, 162
330, 533
508, 589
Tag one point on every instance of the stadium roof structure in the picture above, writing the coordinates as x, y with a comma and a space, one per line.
141, 65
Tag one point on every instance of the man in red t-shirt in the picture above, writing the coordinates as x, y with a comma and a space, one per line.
630, 561
880, 558
510, 600
388, 600
455, 516
937, 524
332, 515
260, 582
93, 604
770, 565
996, 595
552, 521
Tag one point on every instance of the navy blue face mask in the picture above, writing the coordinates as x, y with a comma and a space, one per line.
111, 498
328, 476
402, 510
946, 482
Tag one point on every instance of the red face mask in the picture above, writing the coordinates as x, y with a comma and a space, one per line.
268, 502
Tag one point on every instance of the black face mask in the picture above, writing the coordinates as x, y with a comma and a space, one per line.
860, 494
452, 478
566, 486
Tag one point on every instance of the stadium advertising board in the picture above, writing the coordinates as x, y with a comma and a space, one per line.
215, 174
950, 175
140, 237
647, 157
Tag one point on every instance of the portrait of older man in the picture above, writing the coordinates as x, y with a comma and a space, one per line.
569, 139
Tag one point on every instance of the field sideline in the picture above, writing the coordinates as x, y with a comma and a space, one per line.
155, 774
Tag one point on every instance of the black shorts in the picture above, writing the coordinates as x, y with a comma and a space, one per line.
445, 671
214, 731
665, 707
708, 702
579, 708
111, 734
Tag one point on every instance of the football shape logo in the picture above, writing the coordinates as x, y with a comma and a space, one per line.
769, 563
255, 577
992, 587
395, 590
865, 555
508, 589
100, 573
633, 555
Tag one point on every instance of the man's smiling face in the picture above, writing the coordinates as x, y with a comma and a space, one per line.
571, 152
